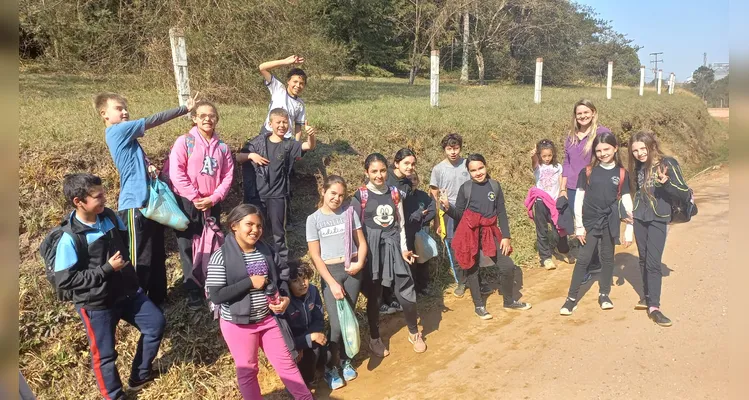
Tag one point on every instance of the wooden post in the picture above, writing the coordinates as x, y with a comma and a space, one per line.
434, 92
671, 83
642, 79
466, 43
660, 78
179, 59
539, 71
609, 80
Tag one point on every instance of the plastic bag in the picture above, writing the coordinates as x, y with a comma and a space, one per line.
162, 206
425, 246
349, 327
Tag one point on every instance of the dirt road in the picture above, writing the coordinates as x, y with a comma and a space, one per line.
593, 354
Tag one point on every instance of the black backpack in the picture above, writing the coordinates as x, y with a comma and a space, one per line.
48, 251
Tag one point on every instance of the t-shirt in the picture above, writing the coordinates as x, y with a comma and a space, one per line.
601, 194
130, 162
279, 177
280, 98
330, 229
216, 277
379, 212
547, 178
450, 178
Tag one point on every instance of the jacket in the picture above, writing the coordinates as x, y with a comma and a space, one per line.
305, 316
252, 172
652, 201
236, 293
534, 194
566, 221
413, 207
94, 283
475, 233
208, 171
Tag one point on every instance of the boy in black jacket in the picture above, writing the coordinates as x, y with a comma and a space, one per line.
105, 286
306, 319
267, 162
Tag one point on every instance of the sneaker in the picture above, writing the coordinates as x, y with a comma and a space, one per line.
136, 385
349, 373
641, 305
485, 289
605, 302
195, 300
587, 278
660, 319
549, 264
333, 380
386, 310
567, 258
569, 307
482, 313
459, 291
396, 306
378, 348
517, 305
418, 342
596, 270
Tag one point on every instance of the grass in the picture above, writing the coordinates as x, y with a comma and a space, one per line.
60, 133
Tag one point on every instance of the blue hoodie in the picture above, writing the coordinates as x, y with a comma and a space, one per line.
305, 316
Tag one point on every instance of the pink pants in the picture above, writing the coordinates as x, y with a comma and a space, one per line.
243, 342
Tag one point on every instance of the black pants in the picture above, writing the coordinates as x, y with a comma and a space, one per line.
147, 252
308, 364
603, 243
420, 273
373, 292
184, 240
651, 240
274, 227
352, 286
542, 218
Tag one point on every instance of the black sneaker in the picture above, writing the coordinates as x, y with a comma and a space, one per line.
641, 305
569, 307
459, 291
485, 289
660, 319
195, 300
517, 305
482, 313
587, 278
136, 385
605, 302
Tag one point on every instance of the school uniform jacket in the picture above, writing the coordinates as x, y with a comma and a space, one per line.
305, 316
254, 175
652, 200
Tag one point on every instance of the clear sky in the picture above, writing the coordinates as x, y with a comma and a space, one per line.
682, 29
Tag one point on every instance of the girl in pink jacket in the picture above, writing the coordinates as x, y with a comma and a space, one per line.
201, 171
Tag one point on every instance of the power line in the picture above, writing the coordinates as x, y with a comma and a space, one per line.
656, 61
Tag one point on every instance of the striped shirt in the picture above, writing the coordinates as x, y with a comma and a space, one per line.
217, 278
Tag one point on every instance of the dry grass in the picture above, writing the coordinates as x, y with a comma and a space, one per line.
60, 134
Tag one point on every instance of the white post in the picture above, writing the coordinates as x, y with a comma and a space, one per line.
434, 92
179, 59
660, 78
609, 80
642, 79
539, 70
672, 83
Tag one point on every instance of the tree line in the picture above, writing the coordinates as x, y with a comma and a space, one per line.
478, 40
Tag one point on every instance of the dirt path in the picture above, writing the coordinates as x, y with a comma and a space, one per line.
593, 354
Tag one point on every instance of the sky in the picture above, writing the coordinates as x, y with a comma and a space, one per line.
682, 29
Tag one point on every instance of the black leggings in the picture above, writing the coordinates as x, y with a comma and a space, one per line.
651, 240
542, 218
604, 244
351, 285
373, 292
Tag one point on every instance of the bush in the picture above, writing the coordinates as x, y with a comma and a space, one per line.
372, 71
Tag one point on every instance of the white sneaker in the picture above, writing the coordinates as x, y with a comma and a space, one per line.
549, 264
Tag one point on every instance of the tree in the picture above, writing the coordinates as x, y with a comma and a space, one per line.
702, 81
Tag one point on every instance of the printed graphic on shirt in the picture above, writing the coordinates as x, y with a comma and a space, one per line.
209, 166
615, 180
311, 306
332, 230
492, 196
548, 179
384, 215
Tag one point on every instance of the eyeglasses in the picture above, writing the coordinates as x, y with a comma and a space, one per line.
211, 117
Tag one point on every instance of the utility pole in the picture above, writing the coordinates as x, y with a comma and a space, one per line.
704, 59
656, 61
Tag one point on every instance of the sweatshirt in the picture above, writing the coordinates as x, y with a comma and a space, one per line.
208, 172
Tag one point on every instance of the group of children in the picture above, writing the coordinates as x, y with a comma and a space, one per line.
114, 263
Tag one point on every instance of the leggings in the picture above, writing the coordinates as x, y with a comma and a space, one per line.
651, 240
373, 292
604, 244
352, 286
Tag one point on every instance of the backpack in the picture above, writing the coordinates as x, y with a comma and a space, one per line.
48, 251
364, 195
589, 169
189, 146
494, 185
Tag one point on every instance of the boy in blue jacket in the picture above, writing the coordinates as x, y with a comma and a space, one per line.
306, 319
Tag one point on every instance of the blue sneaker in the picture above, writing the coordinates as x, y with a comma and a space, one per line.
349, 373
333, 379
587, 278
